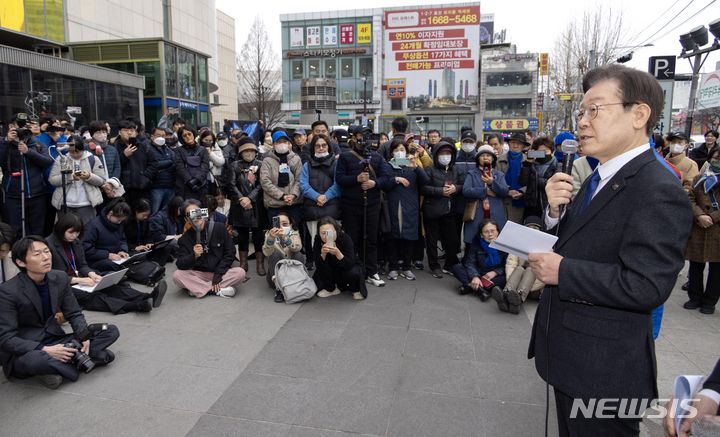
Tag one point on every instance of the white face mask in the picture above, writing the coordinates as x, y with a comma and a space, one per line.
322, 154
222, 143
399, 154
468, 147
678, 148
444, 159
281, 148
100, 137
287, 229
87, 136
159, 141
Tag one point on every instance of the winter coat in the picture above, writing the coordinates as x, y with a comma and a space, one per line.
138, 232
287, 245
700, 154
60, 261
435, 205
269, 174
534, 176
324, 267
216, 161
318, 177
191, 164
475, 188
239, 187
219, 256
464, 162
704, 244
475, 259
101, 238
111, 161
513, 261
403, 202
89, 163
161, 226
134, 173
36, 161
161, 167
688, 169
349, 166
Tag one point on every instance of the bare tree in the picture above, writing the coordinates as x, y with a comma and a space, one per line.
259, 78
593, 40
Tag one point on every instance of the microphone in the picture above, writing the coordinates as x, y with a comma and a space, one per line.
569, 149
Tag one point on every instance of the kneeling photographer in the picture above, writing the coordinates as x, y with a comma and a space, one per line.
31, 340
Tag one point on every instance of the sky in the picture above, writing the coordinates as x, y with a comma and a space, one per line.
534, 31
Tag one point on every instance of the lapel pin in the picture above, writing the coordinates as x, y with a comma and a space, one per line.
615, 186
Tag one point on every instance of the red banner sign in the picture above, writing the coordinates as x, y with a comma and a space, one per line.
436, 65
347, 34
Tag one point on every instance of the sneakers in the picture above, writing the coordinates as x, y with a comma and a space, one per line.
51, 381
226, 292
448, 272
279, 298
514, 301
382, 268
499, 297
392, 275
375, 280
358, 296
158, 293
325, 293
408, 274
437, 273
692, 305
418, 265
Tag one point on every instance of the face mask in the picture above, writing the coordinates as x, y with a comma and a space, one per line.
171, 142
287, 229
678, 148
322, 154
715, 164
207, 143
222, 143
248, 156
444, 159
468, 147
87, 136
100, 137
281, 148
399, 154
159, 141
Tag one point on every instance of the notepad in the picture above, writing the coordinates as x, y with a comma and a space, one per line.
521, 241
106, 281
686, 386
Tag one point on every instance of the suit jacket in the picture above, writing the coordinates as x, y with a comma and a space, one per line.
713, 380
621, 260
22, 327
60, 261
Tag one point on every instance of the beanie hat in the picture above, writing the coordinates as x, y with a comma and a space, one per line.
246, 143
562, 136
486, 149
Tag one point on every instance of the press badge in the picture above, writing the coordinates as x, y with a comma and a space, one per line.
284, 168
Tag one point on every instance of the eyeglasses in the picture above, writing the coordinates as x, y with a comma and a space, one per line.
592, 110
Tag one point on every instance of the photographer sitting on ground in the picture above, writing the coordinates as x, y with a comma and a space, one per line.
337, 268
31, 341
206, 252
281, 242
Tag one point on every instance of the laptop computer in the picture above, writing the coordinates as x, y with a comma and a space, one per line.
107, 281
132, 259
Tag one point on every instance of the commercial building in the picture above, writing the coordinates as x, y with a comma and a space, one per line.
224, 102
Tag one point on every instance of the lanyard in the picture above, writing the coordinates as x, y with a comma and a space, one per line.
72, 262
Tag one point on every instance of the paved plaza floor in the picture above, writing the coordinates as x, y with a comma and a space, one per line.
414, 359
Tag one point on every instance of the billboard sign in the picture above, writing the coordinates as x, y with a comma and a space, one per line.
709, 91
436, 50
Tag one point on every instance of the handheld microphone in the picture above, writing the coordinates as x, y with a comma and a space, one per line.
98, 151
569, 149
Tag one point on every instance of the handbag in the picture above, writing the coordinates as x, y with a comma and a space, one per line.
470, 208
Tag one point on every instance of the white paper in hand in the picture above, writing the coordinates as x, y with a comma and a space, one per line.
685, 388
521, 241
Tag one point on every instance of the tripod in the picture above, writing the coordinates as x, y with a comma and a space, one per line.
64, 172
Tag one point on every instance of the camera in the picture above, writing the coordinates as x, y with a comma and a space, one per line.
198, 213
23, 136
80, 360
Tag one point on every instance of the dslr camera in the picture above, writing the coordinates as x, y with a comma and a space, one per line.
81, 360
198, 213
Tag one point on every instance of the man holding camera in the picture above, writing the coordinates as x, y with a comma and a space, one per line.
31, 340
23, 161
205, 256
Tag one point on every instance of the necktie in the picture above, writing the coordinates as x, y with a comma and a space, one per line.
589, 191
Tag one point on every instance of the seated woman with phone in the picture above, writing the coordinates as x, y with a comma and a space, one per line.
337, 268
281, 242
68, 255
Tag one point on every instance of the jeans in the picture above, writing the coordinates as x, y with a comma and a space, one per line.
160, 197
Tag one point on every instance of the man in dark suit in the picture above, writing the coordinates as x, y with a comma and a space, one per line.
619, 251
31, 340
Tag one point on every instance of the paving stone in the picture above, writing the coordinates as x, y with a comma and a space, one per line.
211, 425
440, 344
416, 414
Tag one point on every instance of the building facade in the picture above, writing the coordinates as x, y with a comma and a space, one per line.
224, 102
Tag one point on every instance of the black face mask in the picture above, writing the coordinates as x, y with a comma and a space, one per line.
544, 160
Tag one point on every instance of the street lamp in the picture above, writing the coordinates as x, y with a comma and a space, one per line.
692, 50
626, 58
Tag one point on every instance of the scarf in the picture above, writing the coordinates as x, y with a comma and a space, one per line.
492, 256
513, 174
283, 178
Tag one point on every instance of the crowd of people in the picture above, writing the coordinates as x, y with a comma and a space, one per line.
134, 202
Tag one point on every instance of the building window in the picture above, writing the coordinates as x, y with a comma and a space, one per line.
202, 79
151, 71
509, 79
330, 68
297, 69
346, 66
396, 104
171, 71
365, 67
314, 68
187, 74
509, 107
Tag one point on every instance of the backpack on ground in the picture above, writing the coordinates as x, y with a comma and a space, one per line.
146, 273
293, 281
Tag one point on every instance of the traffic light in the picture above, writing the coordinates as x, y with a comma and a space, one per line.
624, 59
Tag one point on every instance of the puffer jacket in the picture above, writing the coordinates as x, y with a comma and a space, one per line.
436, 205
240, 186
89, 163
161, 167
36, 161
269, 173
101, 238
134, 173
318, 177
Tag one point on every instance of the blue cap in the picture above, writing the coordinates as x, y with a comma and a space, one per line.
299, 132
562, 136
279, 134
